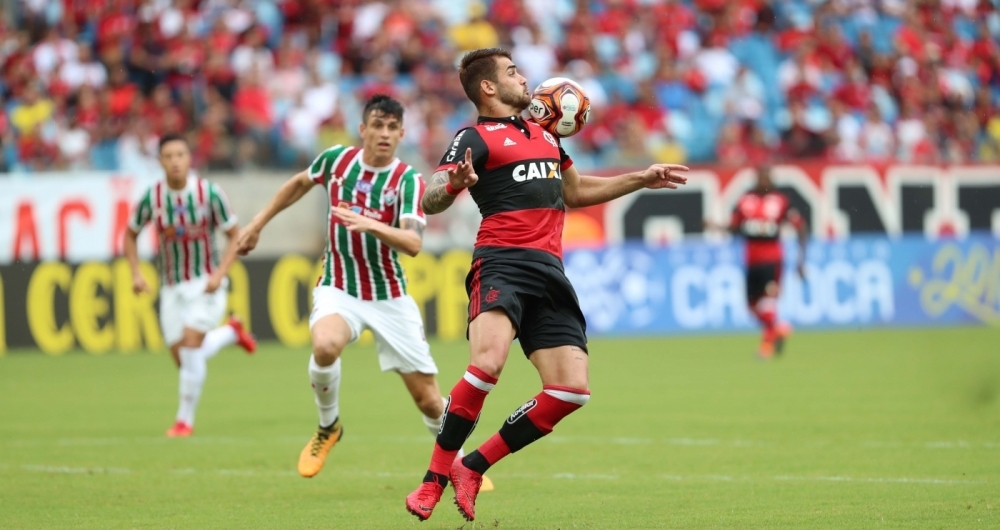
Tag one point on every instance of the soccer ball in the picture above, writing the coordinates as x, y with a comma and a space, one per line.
560, 106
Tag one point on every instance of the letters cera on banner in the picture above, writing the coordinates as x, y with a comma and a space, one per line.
56, 307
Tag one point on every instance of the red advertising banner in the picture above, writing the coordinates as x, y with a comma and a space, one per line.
67, 217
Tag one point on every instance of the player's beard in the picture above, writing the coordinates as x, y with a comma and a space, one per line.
517, 99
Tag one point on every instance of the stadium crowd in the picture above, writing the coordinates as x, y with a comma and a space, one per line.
91, 84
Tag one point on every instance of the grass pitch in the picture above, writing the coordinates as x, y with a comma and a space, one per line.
872, 429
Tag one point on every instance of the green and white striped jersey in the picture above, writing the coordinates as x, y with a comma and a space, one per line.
185, 222
356, 263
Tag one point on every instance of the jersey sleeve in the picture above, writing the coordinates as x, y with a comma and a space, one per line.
737, 217
565, 162
322, 166
143, 212
794, 218
411, 191
223, 216
467, 138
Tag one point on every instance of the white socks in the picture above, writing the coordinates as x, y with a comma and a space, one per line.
194, 368
192, 378
326, 385
434, 424
217, 339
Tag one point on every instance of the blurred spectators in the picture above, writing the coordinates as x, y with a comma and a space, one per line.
92, 84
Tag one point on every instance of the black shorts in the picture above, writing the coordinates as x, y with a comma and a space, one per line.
759, 276
537, 297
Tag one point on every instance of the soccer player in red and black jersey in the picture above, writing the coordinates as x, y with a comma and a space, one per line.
522, 181
758, 217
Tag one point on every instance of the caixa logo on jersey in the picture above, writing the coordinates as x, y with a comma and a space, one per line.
537, 170
760, 228
521, 411
496, 127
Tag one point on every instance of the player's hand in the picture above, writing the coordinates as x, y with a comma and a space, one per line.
214, 282
247, 240
801, 269
660, 176
355, 222
139, 284
463, 176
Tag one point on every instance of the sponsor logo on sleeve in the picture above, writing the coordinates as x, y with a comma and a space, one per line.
453, 152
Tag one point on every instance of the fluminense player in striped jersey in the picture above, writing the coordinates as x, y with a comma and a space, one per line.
374, 214
185, 211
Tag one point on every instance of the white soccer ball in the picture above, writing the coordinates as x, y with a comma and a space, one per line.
560, 106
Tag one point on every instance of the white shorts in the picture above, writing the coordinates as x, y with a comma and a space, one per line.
187, 305
396, 324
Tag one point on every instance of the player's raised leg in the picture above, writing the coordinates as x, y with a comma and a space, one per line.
427, 396
193, 369
198, 312
763, 288
564, 373
330, 334
490, 335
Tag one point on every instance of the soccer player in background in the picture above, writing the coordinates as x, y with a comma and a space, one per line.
522, 181
758, 217
374, 214
186, 210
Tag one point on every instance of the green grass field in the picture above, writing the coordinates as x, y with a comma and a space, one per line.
873, 429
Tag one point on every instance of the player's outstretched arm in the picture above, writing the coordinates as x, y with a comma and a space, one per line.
408, 238
580, 191
445, 185
437, 199
131, 249
289, 193
228, 257
803, 232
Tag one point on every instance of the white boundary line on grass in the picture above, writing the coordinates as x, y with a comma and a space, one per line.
553, 439
68, 470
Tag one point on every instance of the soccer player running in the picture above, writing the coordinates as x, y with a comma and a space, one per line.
374, 214
522, 180
186, 210
758, 217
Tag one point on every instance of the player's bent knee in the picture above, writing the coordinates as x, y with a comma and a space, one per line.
430, 405
491, 358
327, 352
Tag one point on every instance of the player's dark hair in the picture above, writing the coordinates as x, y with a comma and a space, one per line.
172, 137
385, 105
476, 66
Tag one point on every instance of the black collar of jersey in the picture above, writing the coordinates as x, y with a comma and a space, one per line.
516, 120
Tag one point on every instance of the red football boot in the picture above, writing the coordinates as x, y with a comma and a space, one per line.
180, 430
781, 332
467, 483
421, 502
243, 337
